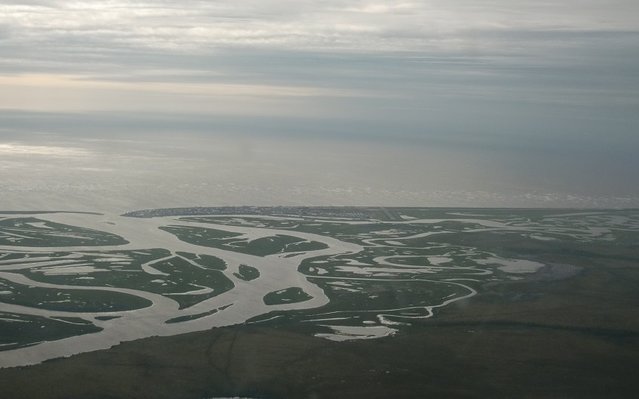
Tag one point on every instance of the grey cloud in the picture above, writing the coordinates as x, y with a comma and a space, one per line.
148, 34
518, 81
4, 32
299, 24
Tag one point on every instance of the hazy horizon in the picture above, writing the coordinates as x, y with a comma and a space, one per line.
120, 105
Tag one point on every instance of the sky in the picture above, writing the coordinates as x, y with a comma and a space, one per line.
120, 105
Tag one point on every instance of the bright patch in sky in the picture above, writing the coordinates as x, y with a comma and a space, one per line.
19, 149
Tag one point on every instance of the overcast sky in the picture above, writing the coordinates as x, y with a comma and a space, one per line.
459, 102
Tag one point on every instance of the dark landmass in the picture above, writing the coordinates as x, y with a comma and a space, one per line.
571, 334
348, 212
569, 330
340, 212
44, 212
